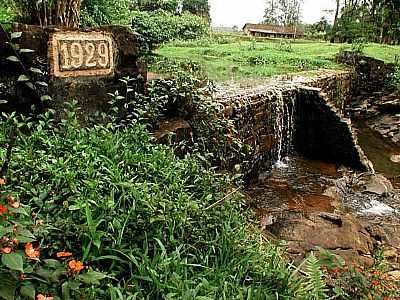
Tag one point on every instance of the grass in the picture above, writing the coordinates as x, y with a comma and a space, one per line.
235, 58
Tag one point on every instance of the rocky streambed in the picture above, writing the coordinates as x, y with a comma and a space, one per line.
312, 204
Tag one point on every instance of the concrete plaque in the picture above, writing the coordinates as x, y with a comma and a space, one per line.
75, 54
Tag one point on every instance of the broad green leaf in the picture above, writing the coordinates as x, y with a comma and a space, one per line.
65, 290
74, 207
5, 230
45, 98
20, 210
24, 239
16, 35
8, 286
51, 275
28, 291
30, 85
25, 232
36, 70
41, 83
13, 261
91, 277
23, 78
52, 263
13, 58
26, 50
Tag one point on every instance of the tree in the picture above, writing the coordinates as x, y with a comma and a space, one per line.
64, 13
335, 21
271, 13
153, 5
373, 20
197, 7
282, 12
72, 13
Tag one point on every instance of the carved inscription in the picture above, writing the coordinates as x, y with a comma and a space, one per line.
75, 54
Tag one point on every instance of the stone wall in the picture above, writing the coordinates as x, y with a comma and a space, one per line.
323, 134
370, 74
319, 129
88, 87
255, 114
337, 87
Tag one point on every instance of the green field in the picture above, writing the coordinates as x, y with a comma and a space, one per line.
238, 59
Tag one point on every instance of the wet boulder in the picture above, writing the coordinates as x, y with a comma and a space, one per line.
341, 233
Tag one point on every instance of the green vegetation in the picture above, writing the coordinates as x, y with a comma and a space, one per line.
7, 14
232, 58
197, 7
101, 12
375, 21
104, 213
159, 27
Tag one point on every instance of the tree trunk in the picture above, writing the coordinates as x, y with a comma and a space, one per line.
335, 22
68, 13
63, 13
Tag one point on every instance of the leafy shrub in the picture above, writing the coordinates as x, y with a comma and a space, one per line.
159, 27
7, 14
358, 45
285, 46
394, 80
138, 221
102, 12
165, 65
152, 5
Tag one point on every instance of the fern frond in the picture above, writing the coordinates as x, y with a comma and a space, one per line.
315, 279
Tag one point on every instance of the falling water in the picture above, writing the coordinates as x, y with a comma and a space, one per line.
283, 114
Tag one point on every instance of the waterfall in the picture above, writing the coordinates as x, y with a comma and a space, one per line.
284, 125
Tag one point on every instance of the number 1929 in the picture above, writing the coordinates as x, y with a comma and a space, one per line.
84, 55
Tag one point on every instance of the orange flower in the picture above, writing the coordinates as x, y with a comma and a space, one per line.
11, 201
375, 282
31, 252
43, 297
2, 181
3, 209
76, 266
63, 254
6, 250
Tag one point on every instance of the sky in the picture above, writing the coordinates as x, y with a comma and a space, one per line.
238, 12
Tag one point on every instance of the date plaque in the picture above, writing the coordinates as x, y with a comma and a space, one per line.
75, 54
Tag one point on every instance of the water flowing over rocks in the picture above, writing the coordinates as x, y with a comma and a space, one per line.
317, 205
284, 113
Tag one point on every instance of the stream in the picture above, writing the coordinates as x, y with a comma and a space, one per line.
303, 185
298, 184
379, 150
